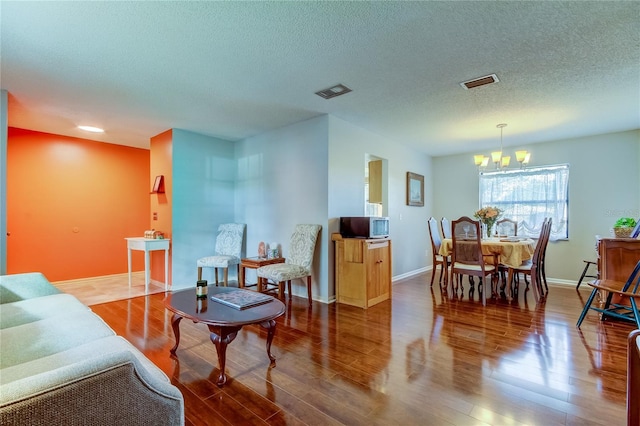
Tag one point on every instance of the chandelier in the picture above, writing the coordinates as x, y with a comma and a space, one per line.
501, 161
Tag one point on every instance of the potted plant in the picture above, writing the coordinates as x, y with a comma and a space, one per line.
624, 226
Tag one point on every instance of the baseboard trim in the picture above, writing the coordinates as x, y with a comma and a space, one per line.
100, 277
550, 281
410, 273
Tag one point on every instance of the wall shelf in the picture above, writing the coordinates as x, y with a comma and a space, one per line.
158, 185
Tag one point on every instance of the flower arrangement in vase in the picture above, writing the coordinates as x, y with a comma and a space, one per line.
488, 216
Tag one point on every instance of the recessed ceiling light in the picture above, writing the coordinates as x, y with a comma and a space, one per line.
91, 129
332, 92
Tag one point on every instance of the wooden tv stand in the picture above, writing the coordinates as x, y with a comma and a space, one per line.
363, 270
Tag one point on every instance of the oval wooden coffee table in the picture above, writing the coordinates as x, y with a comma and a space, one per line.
223, 321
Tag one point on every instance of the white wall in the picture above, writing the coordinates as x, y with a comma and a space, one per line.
204, 175
602, 174
348, 146
282, 181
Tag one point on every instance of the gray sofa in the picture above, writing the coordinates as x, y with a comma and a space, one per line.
60, 364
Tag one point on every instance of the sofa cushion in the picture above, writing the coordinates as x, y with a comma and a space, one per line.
94, 349
26, 342
39, 308
24, 286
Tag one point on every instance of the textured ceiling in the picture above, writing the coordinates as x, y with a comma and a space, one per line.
237, 69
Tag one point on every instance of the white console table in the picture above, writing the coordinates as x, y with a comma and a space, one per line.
147, 245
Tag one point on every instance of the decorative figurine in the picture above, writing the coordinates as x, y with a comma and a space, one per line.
262, 250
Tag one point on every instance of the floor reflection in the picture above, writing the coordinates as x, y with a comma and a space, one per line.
461, 323
606, 354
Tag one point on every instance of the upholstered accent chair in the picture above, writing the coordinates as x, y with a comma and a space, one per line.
227, 252
297, 264
437, 259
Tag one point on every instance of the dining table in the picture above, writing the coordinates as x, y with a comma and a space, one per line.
511, 252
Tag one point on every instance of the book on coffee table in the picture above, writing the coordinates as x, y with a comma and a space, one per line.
241, 299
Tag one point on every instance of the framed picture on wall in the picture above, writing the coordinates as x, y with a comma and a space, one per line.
415, 189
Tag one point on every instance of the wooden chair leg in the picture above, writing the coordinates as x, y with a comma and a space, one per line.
534, 284
309, 290
586, 307
215, 273
281, 290
226, 277
199, 273
584, 272
433, 274
446, 272
289, 288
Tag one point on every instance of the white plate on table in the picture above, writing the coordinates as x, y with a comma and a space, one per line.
510, 239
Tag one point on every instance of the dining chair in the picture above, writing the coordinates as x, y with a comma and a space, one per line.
635, 233
585, 274
507, 227
437, 259
467, 258
297, 264
543, 262
629, 290
227, 251
445, 226
531, 268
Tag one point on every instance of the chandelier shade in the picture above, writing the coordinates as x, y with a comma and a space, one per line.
501, 161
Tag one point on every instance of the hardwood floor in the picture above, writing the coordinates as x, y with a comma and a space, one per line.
92, 291
426, 357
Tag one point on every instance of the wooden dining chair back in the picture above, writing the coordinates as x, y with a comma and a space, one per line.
624, 307
543, 254
445, 226
467, 258
507, 228
532, 268
437, 259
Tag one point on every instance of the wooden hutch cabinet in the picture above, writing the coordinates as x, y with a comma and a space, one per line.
363, 270
617, 257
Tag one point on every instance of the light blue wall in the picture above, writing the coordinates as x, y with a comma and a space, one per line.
348, 146
204, 175
602, 174
282, 181
3, 182
313, 172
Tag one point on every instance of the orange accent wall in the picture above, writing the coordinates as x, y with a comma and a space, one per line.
70, 204
161, 164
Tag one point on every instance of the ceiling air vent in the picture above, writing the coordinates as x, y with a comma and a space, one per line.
332, 92
481, 81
